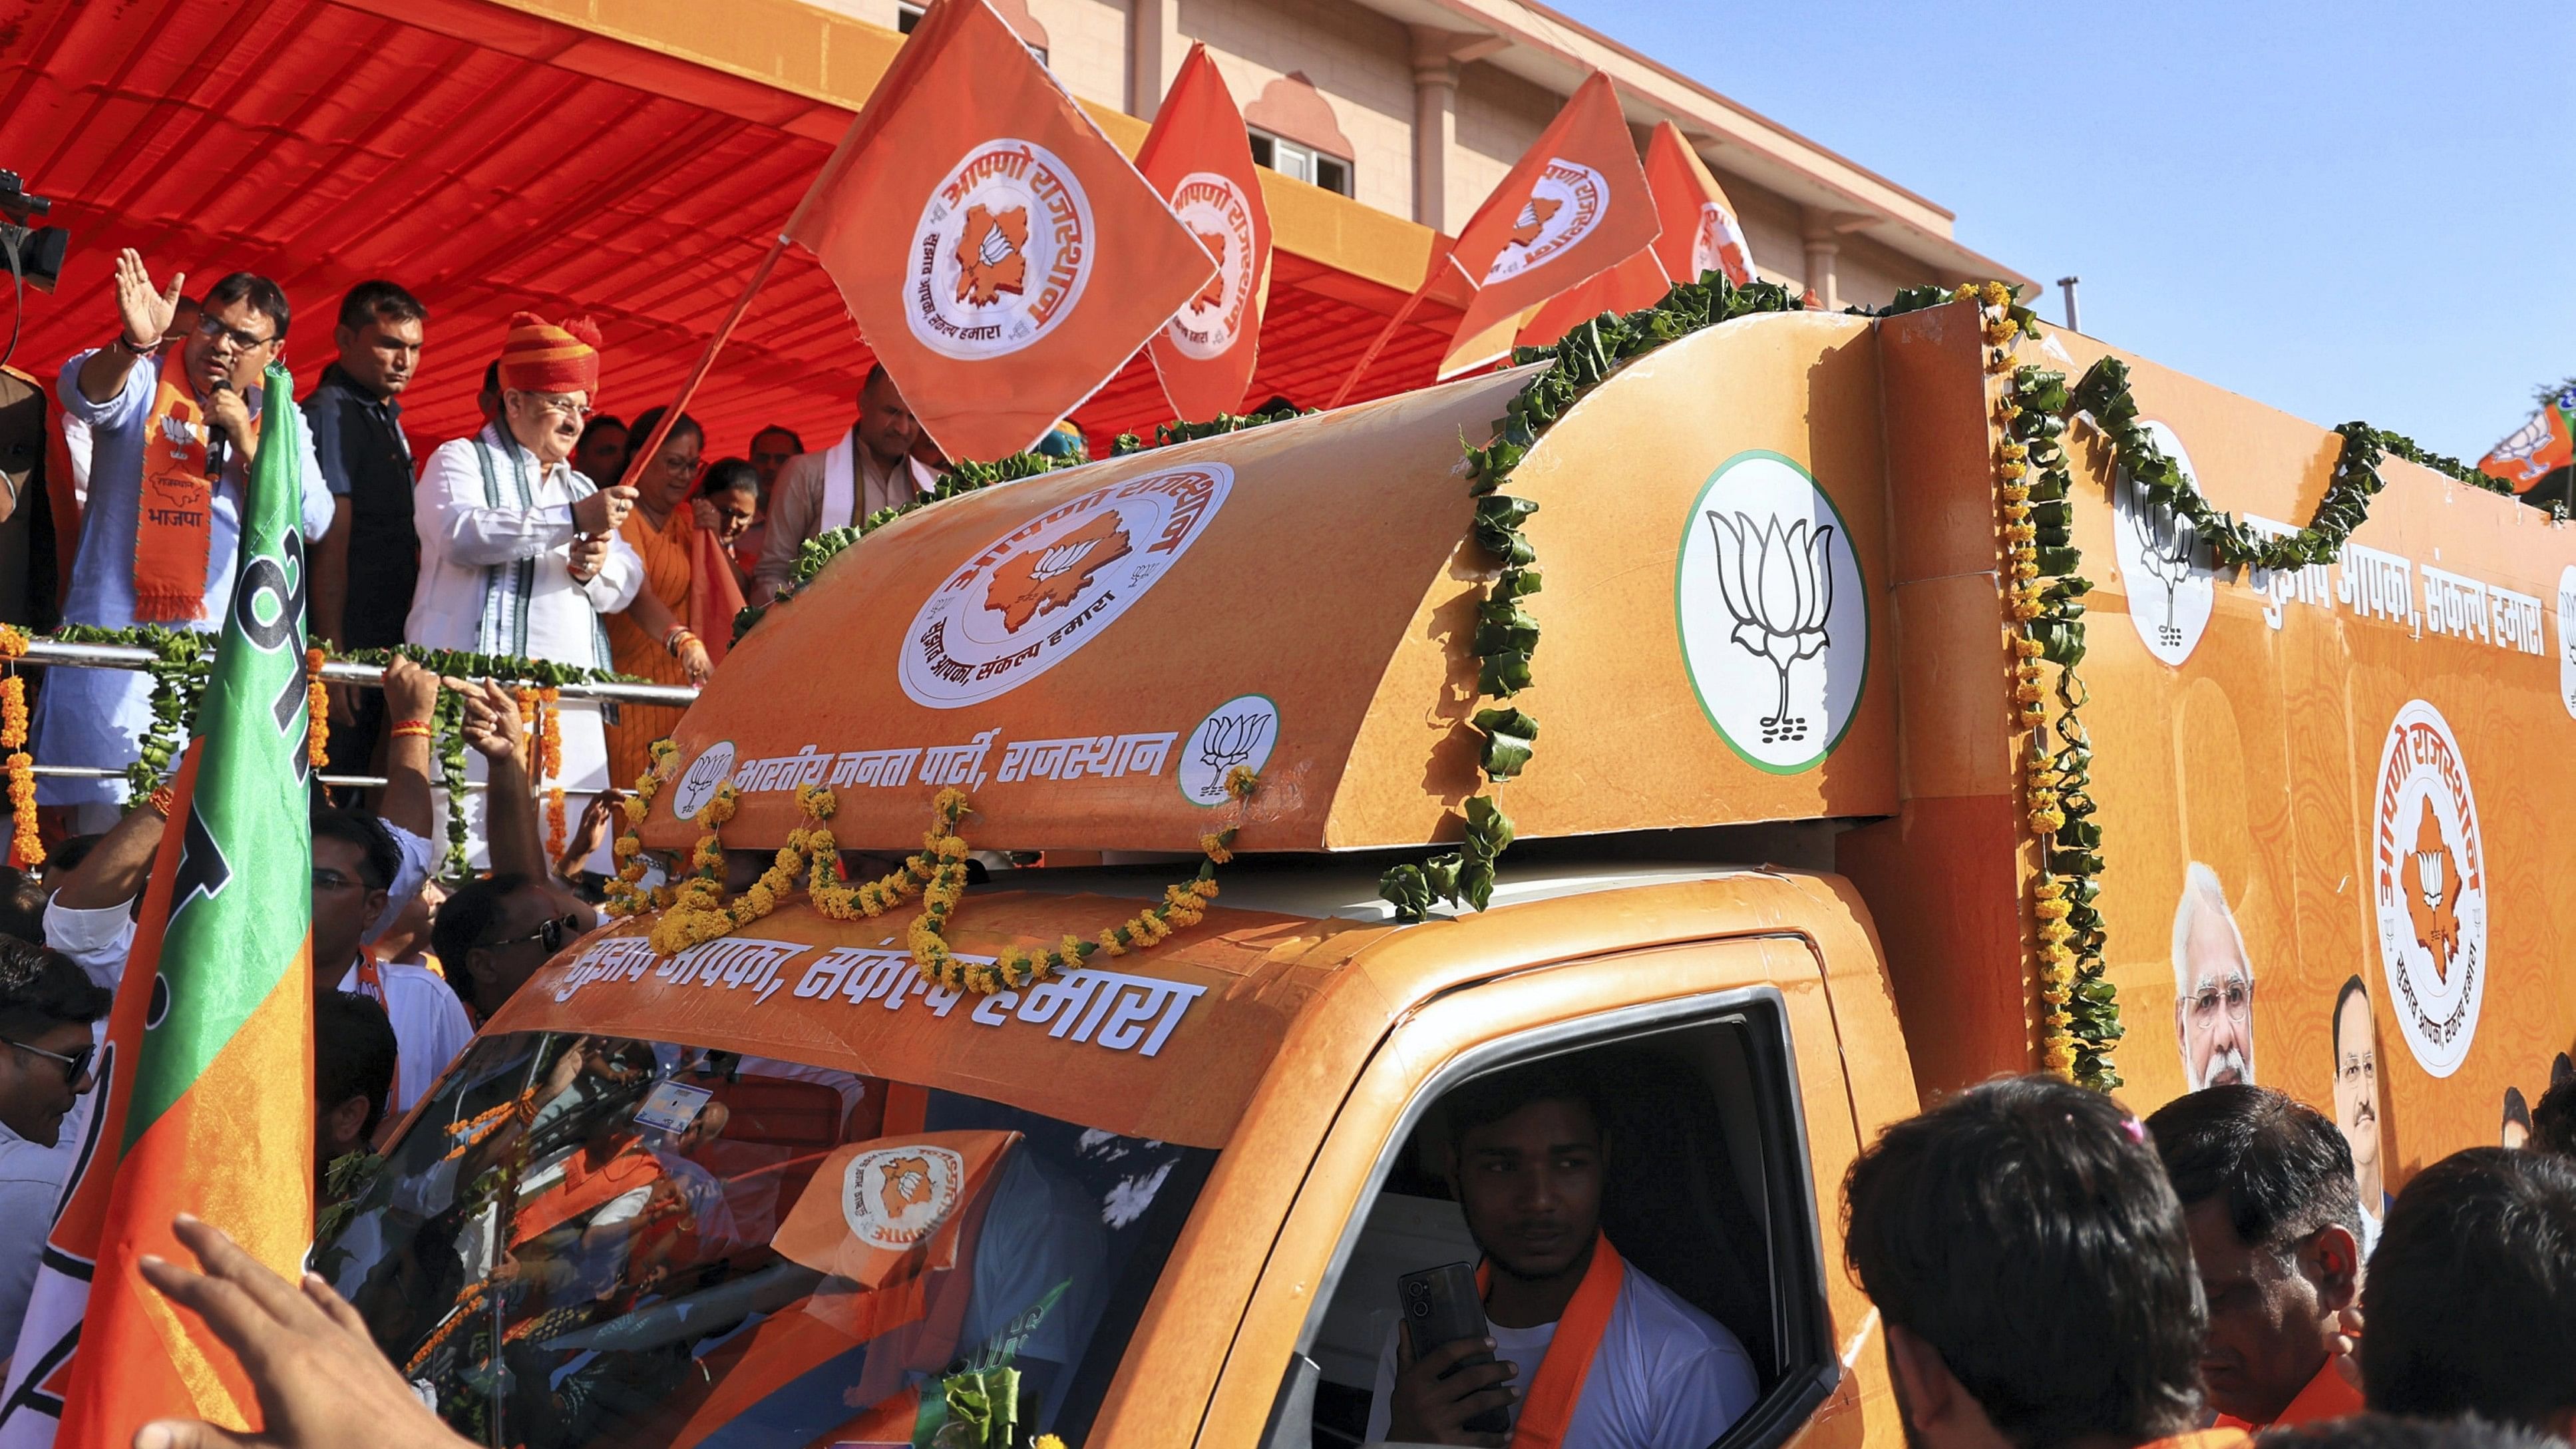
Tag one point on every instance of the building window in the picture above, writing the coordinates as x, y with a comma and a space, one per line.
906, 17
1289, 158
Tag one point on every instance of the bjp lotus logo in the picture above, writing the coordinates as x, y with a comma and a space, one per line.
990, 259
1052, 576
1779, 587
1226, 741
2165, 543
905, 1185
1772, 613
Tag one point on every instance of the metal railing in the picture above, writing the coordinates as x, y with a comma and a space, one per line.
337, 671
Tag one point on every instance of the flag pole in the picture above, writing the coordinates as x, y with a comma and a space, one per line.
707, 358
1374, 348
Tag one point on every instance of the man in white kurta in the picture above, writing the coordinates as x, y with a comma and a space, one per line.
519, 554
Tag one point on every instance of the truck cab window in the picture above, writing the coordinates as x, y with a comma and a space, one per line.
1627, 1221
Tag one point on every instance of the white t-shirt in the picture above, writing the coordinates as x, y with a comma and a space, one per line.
1666, 1376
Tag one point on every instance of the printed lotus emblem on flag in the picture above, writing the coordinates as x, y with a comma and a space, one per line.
989, 259
1001, 254
1219, 215
894, 1197
2430, 888
1774, 621
1025, 603
1566, 203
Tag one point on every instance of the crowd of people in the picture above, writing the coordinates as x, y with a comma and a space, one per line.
540, 536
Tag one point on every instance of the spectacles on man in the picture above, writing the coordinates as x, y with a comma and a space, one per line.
553, 933
2359, 1069
75, 1066
2235, 995
212, 326
555, 402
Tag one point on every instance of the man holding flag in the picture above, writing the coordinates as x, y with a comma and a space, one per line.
213, 1015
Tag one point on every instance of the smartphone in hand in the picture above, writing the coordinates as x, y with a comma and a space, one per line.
1441, 1306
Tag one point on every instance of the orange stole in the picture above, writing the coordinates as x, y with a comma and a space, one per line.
174, 522
1548, 1409
666, 552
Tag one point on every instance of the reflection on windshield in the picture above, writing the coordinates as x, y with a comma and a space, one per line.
587, 1240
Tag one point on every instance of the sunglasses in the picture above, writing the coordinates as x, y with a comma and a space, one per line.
75, 1066
553, 932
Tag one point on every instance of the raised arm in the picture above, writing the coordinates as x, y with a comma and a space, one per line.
143, 313
115, 872
494, 730
411, 693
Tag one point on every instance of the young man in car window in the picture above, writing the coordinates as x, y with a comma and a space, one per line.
1588, 1351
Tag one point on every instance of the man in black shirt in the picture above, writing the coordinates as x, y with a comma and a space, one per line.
367, 563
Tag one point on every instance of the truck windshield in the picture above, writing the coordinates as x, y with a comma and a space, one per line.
589, 1240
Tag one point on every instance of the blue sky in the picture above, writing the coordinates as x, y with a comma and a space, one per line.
2352, 211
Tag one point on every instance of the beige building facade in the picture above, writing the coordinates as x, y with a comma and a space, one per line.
1418, 107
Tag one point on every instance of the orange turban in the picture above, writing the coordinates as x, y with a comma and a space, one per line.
538, 356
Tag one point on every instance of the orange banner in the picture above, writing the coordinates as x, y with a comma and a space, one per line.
1637, 282
1575, 205
1199, 157
1168, 1046
1700, 233
1001, 256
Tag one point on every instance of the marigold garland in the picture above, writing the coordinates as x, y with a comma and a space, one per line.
695, 911
26, 846
317, 710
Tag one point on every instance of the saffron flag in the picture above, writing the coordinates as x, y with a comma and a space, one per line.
1640, 281
2543, 445
217, 1107
1000, 255
884, 1211
1199, 157
1574, 206
1701, 233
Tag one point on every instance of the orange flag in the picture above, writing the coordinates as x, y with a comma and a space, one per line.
1637, 282
1000, 255
1701, 233
1199, 157
1575, 205
886, 1210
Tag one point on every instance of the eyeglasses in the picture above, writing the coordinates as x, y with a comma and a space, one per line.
2235, 994
213, 326
75, 1066
555, 402
553, 932
2357, 1070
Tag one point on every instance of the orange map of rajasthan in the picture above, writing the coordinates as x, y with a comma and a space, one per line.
1533, 220
1213, 294
989, 259
1050, 577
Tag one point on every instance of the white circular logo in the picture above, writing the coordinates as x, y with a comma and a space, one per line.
1217, 213
894, 1197
1050, 586
1237, 732
1001, 253
1719, 245
1568, 201
2567, 637
697, 784
1774, 620
2428, 865
2163, 563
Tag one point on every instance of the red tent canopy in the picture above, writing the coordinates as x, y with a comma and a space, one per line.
492, 158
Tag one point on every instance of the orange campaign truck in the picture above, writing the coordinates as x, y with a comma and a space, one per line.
1129, 1138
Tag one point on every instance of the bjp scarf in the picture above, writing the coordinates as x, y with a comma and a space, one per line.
174, 531
1548, 1410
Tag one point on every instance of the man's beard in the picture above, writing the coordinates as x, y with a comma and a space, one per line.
2220, 1063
